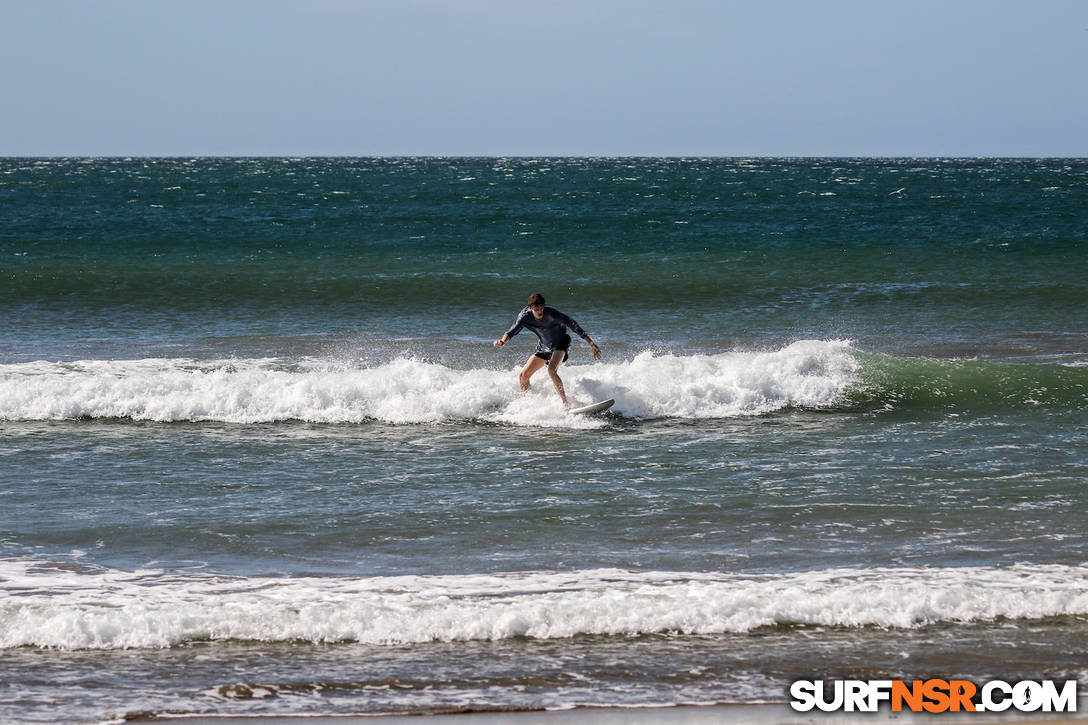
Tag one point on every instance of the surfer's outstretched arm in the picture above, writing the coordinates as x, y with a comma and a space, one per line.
593, 346
519, 323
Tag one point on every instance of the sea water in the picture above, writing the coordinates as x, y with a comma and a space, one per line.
259, 456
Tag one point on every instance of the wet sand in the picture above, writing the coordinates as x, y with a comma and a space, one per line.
778, 714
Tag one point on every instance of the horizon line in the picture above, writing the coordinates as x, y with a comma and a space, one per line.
540, 156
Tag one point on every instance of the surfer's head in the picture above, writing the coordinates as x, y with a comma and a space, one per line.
536, 304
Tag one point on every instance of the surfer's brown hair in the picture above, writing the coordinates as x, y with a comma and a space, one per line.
536, 299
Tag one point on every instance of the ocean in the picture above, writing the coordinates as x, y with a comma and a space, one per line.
259, 456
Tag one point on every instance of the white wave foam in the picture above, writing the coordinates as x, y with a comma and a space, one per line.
807, 373
66, 608
810, 373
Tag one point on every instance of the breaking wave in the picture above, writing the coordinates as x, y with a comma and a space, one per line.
69, 607
810, 374
806, 374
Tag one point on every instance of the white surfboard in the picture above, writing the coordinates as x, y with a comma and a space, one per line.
594, 407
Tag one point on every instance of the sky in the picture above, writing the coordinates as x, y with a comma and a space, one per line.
544, 78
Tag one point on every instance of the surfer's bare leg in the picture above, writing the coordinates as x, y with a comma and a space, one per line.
534, 363
553, 370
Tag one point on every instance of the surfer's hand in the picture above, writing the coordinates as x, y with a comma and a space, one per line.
498, 343
596, 351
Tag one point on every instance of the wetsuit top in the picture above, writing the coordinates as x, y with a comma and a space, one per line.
551, 328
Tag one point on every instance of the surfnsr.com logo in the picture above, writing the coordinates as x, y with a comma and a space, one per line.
933, 695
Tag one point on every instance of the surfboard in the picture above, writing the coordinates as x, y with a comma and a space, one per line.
594, 407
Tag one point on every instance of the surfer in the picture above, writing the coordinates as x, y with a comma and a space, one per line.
550, 326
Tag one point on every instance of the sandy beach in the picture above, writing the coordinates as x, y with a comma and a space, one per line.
776, 714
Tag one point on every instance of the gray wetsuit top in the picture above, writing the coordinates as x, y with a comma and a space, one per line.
551, 329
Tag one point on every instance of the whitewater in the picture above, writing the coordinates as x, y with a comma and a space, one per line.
806, 374
68, 607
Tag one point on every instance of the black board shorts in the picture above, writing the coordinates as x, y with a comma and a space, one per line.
563, 346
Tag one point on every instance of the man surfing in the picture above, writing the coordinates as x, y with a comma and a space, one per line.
550, 326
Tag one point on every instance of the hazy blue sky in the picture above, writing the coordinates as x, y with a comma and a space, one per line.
544, 77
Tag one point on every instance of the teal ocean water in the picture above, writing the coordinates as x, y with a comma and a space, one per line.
259, 455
